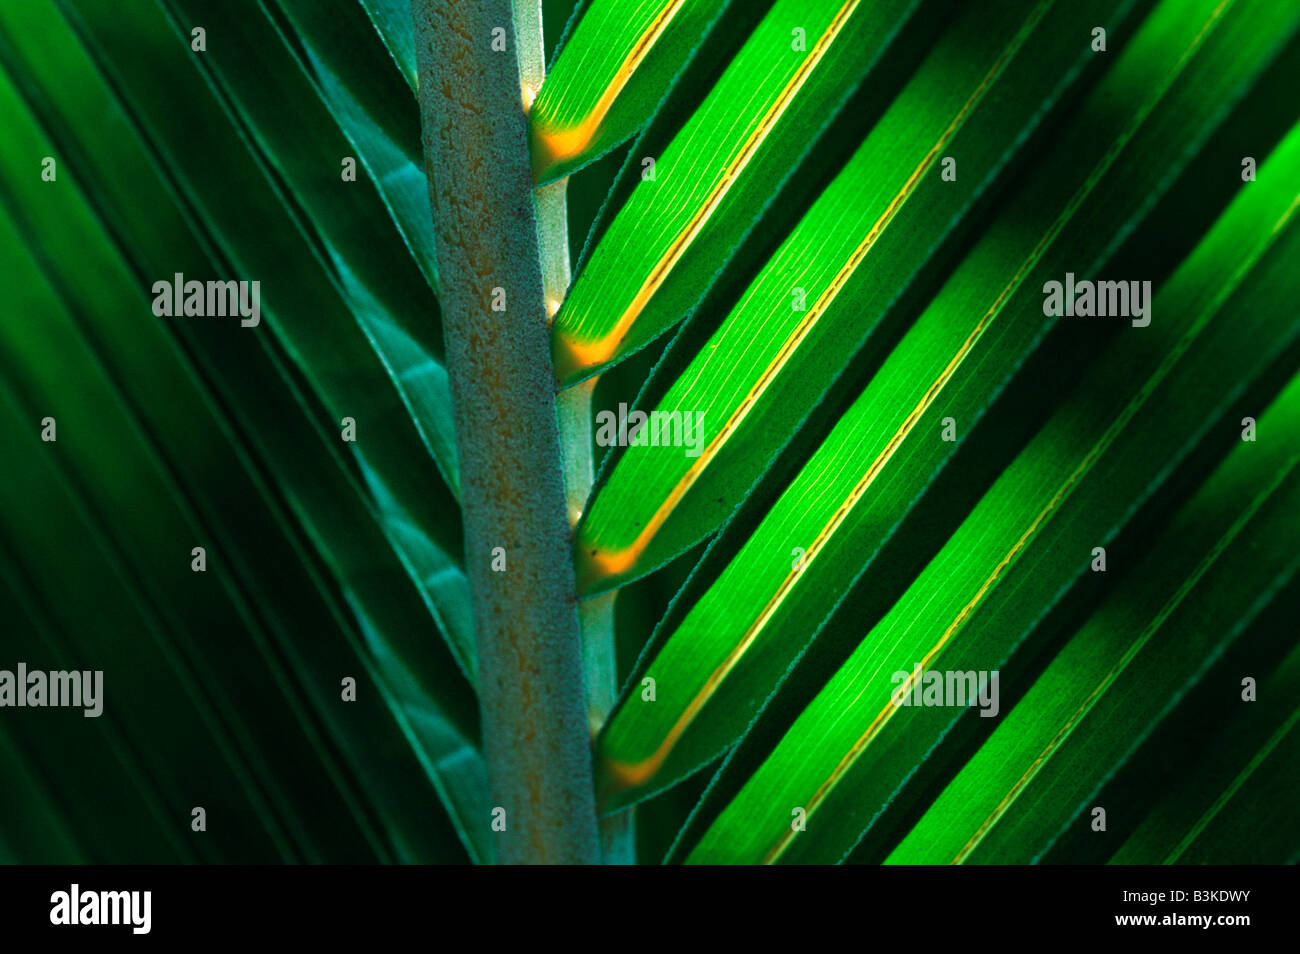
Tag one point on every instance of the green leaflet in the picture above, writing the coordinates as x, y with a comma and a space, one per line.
315, 325
666, 244
1255, 823
611, 76
45, 832
139, 788
1233, 771
365, 98
792, 331
135, 509
413, 710
251, 70
1126, 662
734, 646
914, 468
230, 625
392, 21
1017, 549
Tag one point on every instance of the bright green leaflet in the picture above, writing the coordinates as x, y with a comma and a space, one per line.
1018, 545
732, 611
611, 76
1134, 653
666, 244
828, 286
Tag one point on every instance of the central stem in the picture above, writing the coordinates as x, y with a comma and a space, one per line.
517, 534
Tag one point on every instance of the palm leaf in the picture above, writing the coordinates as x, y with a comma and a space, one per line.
394, 570
822, 232
799, 560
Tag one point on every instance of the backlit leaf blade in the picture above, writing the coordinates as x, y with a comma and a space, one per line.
610, 76
1228, 766
824, 291
1007, 564
1124, 665
736, 643
666, 244
1249, 819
